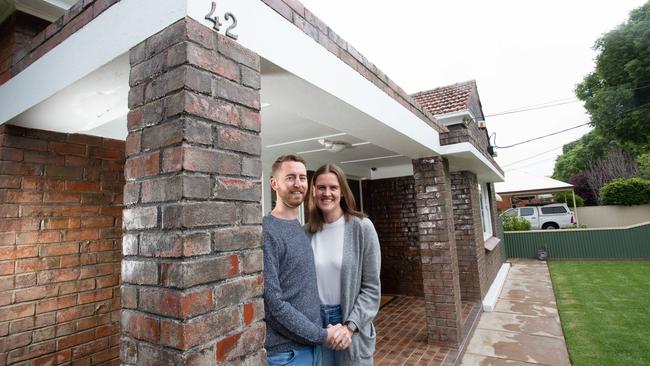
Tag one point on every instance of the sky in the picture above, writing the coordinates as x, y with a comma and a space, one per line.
520, 53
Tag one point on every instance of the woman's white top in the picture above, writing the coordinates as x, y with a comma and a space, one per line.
328, 257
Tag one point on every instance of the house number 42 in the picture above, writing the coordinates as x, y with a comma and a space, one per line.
229, 17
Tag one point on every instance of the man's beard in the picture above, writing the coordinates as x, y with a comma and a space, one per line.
288, 199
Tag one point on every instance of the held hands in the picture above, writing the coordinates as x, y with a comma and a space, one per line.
339, 337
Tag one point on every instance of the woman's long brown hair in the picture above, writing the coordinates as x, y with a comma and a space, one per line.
348, 204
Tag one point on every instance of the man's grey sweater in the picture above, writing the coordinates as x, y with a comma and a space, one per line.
291, 301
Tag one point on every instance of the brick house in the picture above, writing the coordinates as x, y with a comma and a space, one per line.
134, 143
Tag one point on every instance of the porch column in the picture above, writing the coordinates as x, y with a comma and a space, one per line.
192, 282
469, 234
438, 250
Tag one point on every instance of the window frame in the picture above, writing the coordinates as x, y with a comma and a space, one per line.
484, 210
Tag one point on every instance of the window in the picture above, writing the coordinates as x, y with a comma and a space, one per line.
526, 211
484, 202
553, 210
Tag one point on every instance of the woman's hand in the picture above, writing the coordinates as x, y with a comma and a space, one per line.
342, 338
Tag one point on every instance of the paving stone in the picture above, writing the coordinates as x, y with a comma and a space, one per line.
519, 347
534, 325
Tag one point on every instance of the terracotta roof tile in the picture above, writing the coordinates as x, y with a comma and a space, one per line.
446, 99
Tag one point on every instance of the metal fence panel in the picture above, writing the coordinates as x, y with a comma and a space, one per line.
620, 243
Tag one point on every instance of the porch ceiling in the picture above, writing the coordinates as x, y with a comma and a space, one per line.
97, 105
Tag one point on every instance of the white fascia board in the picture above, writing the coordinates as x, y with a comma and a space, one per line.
129, 21
276, 39
466, 147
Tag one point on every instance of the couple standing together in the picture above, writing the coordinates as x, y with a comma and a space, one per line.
321, 290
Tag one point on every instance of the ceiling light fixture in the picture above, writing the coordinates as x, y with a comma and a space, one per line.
334, 146
305, 140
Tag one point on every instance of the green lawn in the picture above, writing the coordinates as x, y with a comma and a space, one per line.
605, 311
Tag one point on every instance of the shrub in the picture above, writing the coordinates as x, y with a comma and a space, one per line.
567, 197
575, 226
630, 191
644, 165
514, 223
582, 189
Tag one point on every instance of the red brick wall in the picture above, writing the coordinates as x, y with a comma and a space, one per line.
469, 234
390, 204
37, 38
473, 134
60, 247
7, 42
496, 257
16, 34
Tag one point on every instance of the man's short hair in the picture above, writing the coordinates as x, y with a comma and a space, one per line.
289, 157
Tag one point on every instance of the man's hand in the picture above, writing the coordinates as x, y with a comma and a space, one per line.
339, 337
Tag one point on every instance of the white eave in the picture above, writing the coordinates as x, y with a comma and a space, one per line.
453, 118
325, 89
465, 156
49, 10
379, 118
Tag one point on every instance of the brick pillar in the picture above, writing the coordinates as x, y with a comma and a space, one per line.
469, 235
438, 250
192, 281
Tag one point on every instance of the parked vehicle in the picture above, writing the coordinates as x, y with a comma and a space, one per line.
553, 216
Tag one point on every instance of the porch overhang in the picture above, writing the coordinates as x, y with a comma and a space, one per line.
465, 156
321, 86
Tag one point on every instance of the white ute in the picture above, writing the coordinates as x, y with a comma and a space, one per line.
553, 216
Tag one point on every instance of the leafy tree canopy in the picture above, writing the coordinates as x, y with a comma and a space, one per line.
577, 156
617, 92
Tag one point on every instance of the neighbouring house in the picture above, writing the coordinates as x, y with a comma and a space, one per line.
136, 137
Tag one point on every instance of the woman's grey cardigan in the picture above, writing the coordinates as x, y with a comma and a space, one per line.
360, 288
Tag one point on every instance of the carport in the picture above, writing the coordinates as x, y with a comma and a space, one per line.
518, 184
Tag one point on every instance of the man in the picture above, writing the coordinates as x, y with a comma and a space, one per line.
291, 300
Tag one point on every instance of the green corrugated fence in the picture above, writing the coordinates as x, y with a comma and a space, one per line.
632, 242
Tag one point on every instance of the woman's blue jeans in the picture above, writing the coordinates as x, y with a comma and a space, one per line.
304, 356
330, 314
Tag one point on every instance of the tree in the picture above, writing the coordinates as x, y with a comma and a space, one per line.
617, 92
578, 155
567, 197
616, 165
644, 165
582, 189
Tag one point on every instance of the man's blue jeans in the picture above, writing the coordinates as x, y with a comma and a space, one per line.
330, 314
304, 356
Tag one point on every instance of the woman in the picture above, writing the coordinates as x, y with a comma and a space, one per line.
347, 257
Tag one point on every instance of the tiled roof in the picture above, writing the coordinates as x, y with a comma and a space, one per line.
446, 99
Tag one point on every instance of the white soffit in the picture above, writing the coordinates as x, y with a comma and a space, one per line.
49, 10
465, 156
381, 119
129, 22
87, 105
